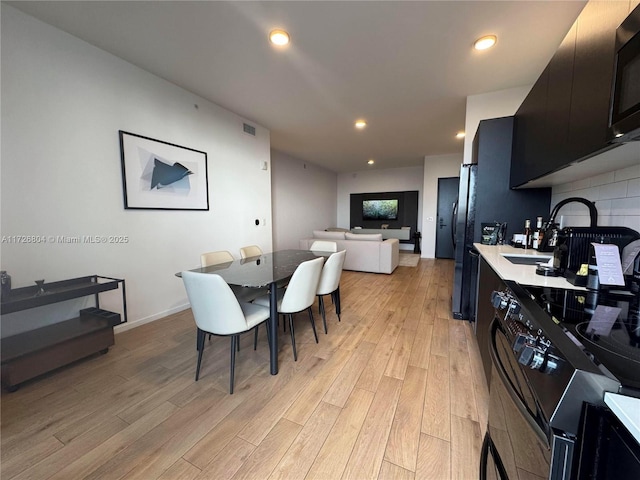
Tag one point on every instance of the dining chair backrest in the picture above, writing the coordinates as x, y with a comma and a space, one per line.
214, 305
331, 273
301, 291
323, 246
215, 258
250, 251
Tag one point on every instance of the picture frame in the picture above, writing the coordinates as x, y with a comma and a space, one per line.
159, 175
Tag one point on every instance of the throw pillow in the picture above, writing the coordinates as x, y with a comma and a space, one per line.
370, 237
322, 235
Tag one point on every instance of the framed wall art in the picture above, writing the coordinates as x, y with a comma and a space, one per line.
162, 176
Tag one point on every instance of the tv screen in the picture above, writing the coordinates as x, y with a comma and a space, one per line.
380, 209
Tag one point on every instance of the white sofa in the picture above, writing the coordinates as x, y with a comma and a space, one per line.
365, 253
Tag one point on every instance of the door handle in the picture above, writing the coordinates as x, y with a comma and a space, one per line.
454, 219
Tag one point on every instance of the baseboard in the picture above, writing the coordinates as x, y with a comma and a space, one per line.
136, 323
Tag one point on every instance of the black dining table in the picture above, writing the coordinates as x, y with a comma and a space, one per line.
266, 270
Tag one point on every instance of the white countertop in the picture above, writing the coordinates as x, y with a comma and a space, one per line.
627, 409
523, 274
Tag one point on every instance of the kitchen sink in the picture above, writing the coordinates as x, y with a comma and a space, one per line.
526, 259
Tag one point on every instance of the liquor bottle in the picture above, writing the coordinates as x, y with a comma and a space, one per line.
528, 235
537, 234
5, 281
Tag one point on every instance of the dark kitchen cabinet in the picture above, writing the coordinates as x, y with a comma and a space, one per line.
529, 147
565, 116
558, 106
592, 76
488, 281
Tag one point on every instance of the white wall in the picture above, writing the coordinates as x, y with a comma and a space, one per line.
304, 198
63, 102
436, 166
502, 103
616, 195
386, 180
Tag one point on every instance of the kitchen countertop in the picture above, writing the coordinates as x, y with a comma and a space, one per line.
522, 274
627, 409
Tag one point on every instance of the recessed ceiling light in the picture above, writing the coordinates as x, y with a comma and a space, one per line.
371, 162
360, 124
485, 42
460, 135
279, 37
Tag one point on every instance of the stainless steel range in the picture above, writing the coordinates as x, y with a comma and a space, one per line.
554, 353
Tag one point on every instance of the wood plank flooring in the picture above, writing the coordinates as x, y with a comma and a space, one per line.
393, 391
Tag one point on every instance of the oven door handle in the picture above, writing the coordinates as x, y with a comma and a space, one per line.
489, 449
499, 368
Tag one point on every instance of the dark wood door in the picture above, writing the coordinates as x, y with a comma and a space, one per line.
447, 196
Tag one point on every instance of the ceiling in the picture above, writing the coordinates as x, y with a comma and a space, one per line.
404, 67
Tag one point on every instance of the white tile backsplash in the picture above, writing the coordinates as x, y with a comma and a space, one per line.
612, 191
616, 196
628, 173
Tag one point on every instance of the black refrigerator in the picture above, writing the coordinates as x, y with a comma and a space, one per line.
484, 196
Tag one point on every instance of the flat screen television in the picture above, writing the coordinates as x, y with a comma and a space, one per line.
380, 209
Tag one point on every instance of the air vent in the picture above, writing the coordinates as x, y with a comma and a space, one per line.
249, 129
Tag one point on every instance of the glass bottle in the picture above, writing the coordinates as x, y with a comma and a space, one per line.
537, 234
5, 283
528, 235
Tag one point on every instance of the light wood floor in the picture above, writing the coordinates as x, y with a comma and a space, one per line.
395, 390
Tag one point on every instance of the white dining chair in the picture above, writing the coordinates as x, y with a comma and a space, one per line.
215, 258
250, 251
217, 311
298, 296
329, 283
323, 246
242, 293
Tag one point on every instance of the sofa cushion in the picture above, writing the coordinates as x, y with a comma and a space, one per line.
371, 237
322, 235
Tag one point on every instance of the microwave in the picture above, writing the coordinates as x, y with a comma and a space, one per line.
624, 111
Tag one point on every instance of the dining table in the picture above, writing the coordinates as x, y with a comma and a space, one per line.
266, 270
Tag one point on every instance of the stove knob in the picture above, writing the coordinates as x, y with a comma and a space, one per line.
514, 307
537, 360
531, 356
552, 364
496, 299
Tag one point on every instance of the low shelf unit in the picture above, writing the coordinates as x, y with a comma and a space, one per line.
29, 354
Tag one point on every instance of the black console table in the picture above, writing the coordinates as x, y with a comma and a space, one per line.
34, 352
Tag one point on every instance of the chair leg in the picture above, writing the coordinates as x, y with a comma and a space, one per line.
313, 323
336, 295
255, 337
199, 333
322, 312
234, 342
293, 338
200, 342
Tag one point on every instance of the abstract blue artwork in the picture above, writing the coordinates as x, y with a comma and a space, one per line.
162, 175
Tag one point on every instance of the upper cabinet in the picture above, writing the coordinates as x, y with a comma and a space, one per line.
565, 116
592, 76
